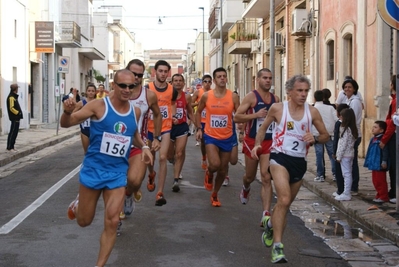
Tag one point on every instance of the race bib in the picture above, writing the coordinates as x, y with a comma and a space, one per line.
203, 113
150, 115
219, 121
114, 145
164, 112
86, 123
179, 113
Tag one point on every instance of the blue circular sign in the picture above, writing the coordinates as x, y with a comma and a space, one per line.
64, 61
389, 12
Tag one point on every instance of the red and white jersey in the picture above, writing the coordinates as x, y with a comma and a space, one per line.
142, 103
288, 134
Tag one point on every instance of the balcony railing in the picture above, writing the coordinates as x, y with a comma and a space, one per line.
213, 20
242, 32
69, 34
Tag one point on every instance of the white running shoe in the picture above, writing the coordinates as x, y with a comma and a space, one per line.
226, 181
343, 197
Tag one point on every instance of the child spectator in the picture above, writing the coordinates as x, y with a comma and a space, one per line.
338, 172
377, 161
348, 134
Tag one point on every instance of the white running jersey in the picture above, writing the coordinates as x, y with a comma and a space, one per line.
142, 103
288, 135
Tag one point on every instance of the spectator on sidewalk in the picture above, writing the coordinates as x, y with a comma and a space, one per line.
338, 172
377, 161
15, 115
348, 134
389, 140
351, 89
329, 117
326, 97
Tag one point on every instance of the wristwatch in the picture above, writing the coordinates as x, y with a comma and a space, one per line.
159, 138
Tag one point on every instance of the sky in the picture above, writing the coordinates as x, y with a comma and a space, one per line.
179, 19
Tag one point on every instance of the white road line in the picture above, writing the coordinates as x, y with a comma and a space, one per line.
8, 227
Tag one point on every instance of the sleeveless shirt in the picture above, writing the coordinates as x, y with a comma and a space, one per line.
288, 134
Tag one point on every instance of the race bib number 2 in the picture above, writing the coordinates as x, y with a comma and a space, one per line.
115, 145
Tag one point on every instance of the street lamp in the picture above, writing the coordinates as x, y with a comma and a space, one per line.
203, 40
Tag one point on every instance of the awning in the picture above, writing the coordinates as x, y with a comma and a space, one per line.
259, 8
91, 53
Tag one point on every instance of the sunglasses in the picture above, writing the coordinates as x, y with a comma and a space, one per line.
124, 85
138, 75
207, 81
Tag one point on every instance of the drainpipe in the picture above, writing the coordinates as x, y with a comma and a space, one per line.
1, 79
221, 33
287, 43
272, 42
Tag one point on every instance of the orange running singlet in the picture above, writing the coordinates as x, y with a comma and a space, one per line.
164, 103
219, 115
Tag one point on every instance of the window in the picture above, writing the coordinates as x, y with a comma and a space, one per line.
330, 60
15, 28
348, 56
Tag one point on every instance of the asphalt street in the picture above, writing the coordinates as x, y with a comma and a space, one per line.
187, 231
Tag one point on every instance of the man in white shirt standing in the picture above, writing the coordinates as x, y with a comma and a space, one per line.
329, 116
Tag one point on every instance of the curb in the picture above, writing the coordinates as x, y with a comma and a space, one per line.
43, 144
377, 221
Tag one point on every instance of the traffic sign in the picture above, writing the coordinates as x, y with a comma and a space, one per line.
389, 12
63, 64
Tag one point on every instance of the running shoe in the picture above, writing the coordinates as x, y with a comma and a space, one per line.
244, 195
160, 200
129, 205
122, 215
208, 181
267, 236
278, 254
72, 208
264, 214
180, 177
215, 200
175, 187
197, 144
319, 178
138, 196
226, 181
204, 165
151, 181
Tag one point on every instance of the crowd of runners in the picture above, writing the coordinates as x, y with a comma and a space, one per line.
120, 151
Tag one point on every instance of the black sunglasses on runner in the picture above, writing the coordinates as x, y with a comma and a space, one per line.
138, 75
124, 85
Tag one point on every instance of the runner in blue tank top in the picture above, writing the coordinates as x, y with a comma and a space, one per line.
85, 126
113, 127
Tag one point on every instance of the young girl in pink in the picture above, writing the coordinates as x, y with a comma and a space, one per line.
345, 151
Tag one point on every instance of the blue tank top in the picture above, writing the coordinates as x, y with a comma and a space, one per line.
253, 126
85, 126
110, 140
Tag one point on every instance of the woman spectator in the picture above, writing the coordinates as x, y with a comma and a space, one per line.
351, 88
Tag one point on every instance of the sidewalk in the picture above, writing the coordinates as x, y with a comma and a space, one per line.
377, 220
32, 140
382, 220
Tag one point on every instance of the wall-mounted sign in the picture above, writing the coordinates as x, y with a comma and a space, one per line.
389, 12
44, 36
63, 64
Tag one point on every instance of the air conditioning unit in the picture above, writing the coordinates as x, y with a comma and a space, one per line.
298, 17
255, 46
278, 40
266, 46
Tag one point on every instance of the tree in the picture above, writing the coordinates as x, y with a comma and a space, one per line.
97, 75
